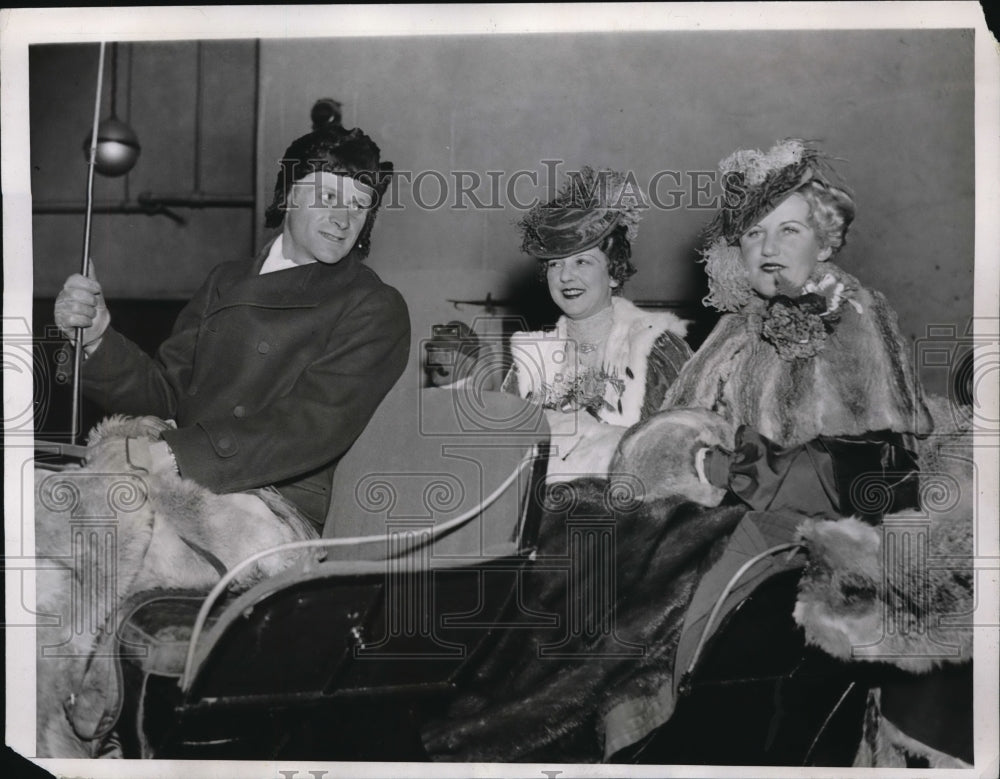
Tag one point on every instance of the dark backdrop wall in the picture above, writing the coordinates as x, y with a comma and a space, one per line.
896, 105
193, 108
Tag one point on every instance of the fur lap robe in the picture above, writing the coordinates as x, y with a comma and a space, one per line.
900, 592
525, 706
105, 532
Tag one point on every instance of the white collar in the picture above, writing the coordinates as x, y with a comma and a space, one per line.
276, 259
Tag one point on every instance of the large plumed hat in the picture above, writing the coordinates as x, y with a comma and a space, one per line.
754, 183
336, 150
590, 205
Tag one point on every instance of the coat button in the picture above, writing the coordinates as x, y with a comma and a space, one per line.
263, 347
239, 412
192, 390
225, 443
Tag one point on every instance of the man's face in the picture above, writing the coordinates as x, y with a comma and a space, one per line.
326, 212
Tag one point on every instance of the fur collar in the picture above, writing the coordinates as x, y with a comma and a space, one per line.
861, 380
539, 356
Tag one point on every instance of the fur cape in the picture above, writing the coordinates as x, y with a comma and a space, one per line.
644, 351
861, 380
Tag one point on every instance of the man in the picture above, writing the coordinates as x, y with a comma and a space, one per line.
275, 367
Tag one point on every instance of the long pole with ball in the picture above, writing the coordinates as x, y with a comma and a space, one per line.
85, 263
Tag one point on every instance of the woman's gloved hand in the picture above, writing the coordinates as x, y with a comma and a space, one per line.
80, 303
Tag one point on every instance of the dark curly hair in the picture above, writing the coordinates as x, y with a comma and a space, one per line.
336, 150
618, 249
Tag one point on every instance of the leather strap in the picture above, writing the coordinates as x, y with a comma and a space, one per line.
207, 556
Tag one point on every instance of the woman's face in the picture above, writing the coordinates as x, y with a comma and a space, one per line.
580, 284
782, 249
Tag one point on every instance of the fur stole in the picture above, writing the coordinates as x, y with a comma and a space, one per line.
860, 380
582, 444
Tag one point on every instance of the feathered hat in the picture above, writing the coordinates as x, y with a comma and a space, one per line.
590, 205
754, 183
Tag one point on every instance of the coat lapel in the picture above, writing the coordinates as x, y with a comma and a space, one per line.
303, 287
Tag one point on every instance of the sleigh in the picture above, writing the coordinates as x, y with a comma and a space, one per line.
435, 511
350, 688
425, 567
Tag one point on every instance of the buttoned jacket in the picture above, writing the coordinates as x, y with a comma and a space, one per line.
270, 378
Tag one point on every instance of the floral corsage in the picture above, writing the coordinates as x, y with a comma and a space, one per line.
798, 326
584, 391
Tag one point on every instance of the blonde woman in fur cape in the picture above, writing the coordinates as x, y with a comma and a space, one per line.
804, 354
607, 363
833, 426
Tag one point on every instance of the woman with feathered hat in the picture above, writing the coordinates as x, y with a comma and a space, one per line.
812, 367
607, 363
804, 353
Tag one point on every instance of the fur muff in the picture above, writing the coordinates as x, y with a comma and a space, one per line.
901, 592
104, 532
660, 454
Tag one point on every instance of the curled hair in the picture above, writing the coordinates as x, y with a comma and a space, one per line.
728, 284
831, 211
618, 249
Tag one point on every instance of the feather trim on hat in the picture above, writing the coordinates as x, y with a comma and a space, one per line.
755, 165
589, 206
755, 182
